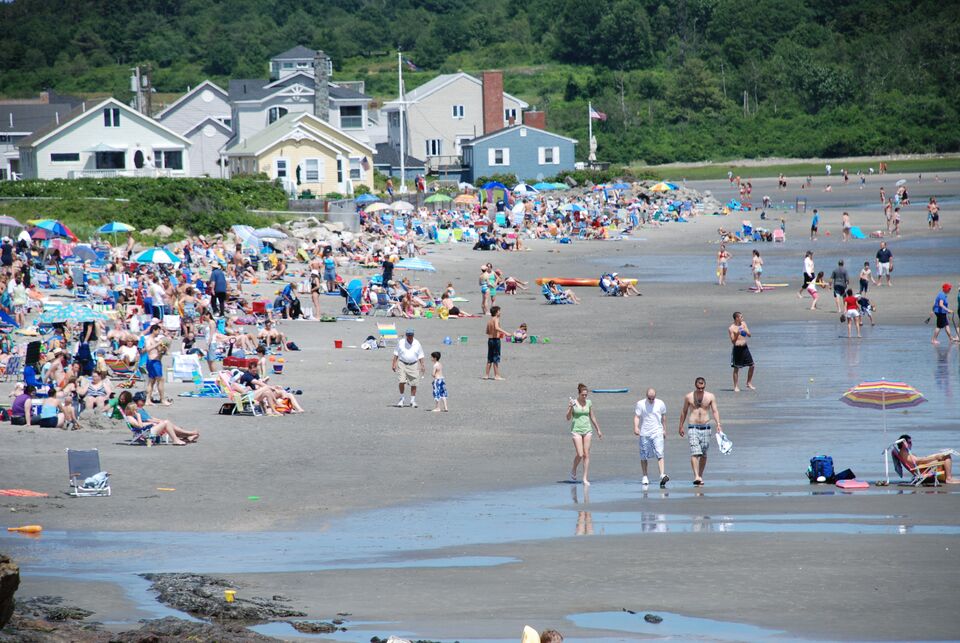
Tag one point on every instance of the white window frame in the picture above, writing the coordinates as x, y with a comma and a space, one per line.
433, 146
160, 159
504, 156
76, 160
276, 110
356, 164
286, 168
318, 162
111, 117
554, 152
508, 113
457, 112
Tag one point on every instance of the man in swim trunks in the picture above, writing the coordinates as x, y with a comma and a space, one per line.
884, 263
494, 331
941, 309
699, 404
741, 357
814, 224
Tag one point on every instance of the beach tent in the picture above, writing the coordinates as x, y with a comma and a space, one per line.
495, 185
543, 186
523, 188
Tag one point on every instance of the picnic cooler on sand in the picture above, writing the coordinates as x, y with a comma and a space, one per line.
239, 362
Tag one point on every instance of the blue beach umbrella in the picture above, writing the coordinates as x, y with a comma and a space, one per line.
366, 198
620, 186
70, 313
157, 255
543, 185
115, 227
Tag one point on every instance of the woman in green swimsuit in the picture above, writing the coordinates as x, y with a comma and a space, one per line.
583, 423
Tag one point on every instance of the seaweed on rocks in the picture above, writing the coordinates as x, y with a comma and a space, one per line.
203, 596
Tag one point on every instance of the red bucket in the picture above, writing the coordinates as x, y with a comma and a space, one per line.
338, 343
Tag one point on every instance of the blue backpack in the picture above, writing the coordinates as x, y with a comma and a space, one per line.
820, 466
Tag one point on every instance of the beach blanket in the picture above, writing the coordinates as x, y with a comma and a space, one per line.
25, 493
857, 233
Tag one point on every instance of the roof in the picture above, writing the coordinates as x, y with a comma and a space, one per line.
279, 129
296, 53
209, 120
390, 156
253, 89
27, 119
172, 107
511, 129
438, 83
54, 128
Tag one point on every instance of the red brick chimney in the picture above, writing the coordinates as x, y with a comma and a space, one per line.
492, 101
536, 119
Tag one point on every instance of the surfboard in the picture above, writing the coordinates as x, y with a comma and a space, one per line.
611, 390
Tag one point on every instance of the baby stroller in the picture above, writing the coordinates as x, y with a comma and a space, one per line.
352, 293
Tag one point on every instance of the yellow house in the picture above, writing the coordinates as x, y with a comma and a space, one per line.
304, 153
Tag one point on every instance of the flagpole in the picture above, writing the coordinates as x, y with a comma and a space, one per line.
403, 147
589, 124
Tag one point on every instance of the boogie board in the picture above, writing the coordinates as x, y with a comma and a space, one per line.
611, 390
853, 484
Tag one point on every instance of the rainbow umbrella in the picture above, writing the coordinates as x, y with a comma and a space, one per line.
663, 187
54, 227
883, 395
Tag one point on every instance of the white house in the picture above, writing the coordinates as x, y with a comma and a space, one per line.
202, 116
294, 87
449, 110
104, 139
21, 118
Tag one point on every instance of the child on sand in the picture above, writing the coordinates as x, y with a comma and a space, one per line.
439, 385
520, 335
812, 289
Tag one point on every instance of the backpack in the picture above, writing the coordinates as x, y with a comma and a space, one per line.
821, 466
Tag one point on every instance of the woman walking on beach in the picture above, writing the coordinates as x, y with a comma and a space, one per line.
756, 265
808, 272
583, 423
723, 260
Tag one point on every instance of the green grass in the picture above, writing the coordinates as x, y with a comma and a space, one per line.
719, 170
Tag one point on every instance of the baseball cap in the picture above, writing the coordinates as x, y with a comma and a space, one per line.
946, 287
409, 331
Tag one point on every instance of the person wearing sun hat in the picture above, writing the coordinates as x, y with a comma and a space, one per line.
407, 356
941, 309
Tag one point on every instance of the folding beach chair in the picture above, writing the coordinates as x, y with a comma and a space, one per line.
925, 474
608, 287
12, 368
171, 324
388, 333
552, 298
244, 404
385, 305
86, 476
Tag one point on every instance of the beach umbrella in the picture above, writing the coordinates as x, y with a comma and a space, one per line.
523, 188
115, 227
463, 185
438, 198
572, 207
54, 227
366, 198
39, 234
157, 255
883, 395
84, 253
663, 187
247, 236
76, 313
402, 206
901, 182
543, 185
269, 233
416, 263
620, 186
561, 186
465, 199
377, 207
9, 222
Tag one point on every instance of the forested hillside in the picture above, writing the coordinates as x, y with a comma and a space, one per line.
678, 79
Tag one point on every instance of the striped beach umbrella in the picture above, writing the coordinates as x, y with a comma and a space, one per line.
883, 395
54, 227
157, 255
70, 313
115, 227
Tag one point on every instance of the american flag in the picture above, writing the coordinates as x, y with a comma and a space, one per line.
410, 65
597, 116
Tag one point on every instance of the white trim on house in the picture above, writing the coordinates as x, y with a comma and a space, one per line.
508, 130
169, 109
492, 156
415, 95
210, 120
97, 110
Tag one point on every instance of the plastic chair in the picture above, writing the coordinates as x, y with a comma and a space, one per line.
84, 469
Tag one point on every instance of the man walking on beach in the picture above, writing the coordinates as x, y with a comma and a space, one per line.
814, 224
839, 280
700, 405
941, 309
218, 286
741, 357
884, 263
648, 426
406, 358
494, 331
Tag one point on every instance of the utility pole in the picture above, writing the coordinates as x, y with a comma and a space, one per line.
723, 80
148, 89
746, 104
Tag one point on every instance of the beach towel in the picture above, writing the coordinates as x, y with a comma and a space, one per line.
724, 444
25, 493
857, 233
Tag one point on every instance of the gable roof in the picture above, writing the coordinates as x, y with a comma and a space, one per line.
438, 83
295, 53
209, 120
257, 89
390, 156
53, 129
510, 130
282, 127
29, 118
172, 107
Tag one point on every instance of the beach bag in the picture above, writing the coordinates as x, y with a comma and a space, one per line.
821, 466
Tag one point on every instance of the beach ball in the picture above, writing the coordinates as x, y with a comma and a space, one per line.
447, 340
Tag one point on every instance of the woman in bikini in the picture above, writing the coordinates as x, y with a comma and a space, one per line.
756, 265
723, 260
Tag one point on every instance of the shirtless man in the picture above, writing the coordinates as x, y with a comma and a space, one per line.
741, 357
155, 347
271, 336
494, 331
700, 405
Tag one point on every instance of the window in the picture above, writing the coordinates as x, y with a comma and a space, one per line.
288, 65
356, 169
275, 113
226, 121
111, 117
303, 65
458, 111
351, 117
394, 119
434, 146
311, 170
498, 156
339, 170
65, 158
5, 138
548, 155
170, 159
111, 160
281, 165
510, 115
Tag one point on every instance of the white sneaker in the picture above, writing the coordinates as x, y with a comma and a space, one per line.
414, 405
399, 404
645, 481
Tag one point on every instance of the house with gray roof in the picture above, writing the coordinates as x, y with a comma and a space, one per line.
203, 116
528, 153
21, 118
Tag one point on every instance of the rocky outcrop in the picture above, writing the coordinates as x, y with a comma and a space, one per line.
9, 582
203, 596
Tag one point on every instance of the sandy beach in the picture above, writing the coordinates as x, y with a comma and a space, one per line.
460, 525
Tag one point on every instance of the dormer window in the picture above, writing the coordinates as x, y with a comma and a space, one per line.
275, 114
111, 117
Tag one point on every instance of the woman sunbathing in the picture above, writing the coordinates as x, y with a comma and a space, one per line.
178, 436
938, 464
95, 392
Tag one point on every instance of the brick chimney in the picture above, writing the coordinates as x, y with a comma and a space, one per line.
492, 101
321, 88
535, 118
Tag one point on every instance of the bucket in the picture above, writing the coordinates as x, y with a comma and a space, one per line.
229, 594
278, 369
533, 339
338, 343
463, 339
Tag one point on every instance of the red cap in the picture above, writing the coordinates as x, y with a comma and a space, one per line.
946, 287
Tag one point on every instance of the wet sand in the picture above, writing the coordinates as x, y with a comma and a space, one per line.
356, 494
